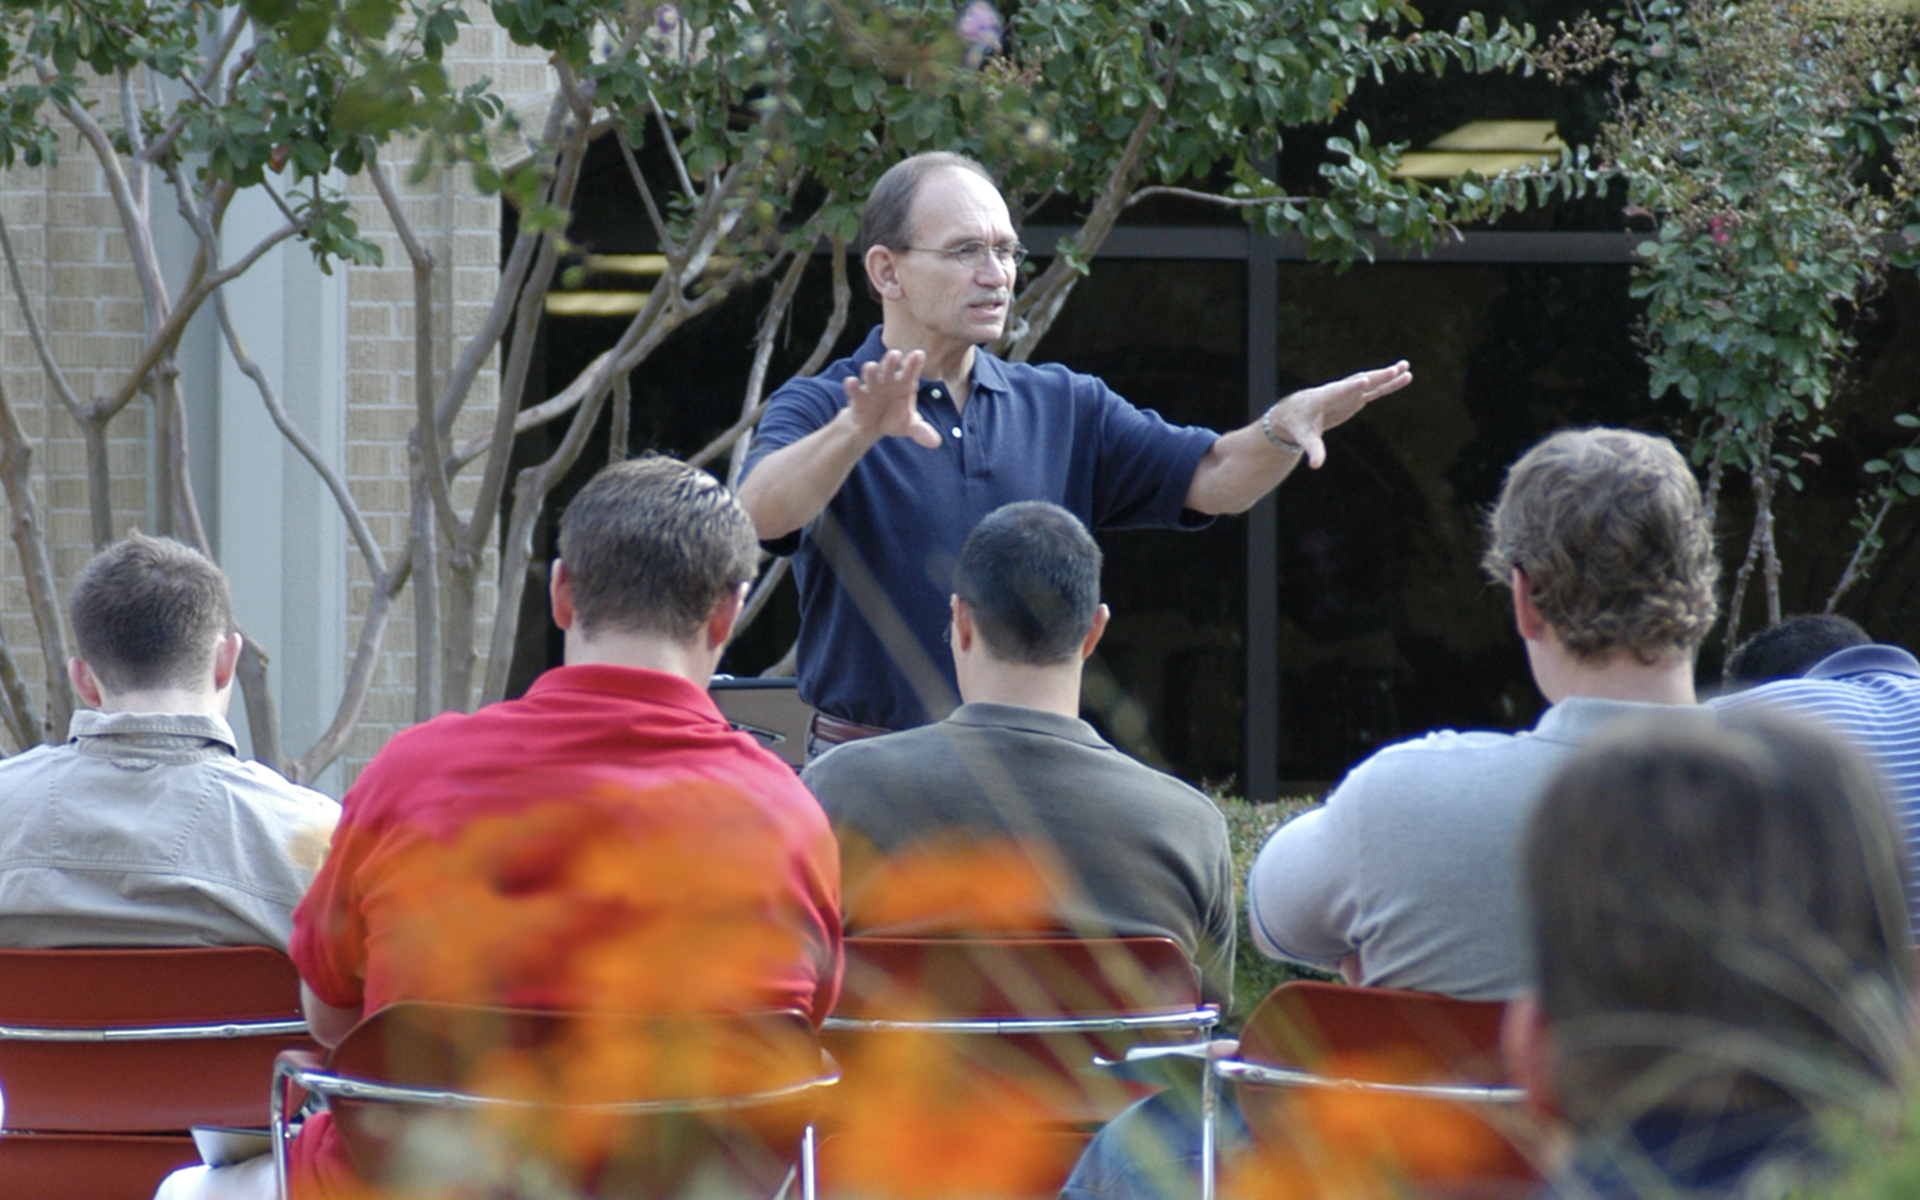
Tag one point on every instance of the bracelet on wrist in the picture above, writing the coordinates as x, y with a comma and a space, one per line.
1266, 427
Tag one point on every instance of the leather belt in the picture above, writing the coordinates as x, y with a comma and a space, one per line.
833, 730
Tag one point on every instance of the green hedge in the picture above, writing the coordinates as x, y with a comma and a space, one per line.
1254, 974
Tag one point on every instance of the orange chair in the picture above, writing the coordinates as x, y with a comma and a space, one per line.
110, 1056
987, 1042
1406, 1088
611, 1103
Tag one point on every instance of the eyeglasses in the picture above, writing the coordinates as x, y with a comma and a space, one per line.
973, 255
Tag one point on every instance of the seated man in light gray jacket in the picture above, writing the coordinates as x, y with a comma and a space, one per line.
146, 828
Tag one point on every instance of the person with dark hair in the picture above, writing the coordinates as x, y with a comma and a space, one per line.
591, 841
1723, 958
1120, 848
146, 828
1869, 694
1406, 876
871, 473
1786, 650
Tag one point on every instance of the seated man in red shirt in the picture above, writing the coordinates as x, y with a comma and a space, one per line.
606, 841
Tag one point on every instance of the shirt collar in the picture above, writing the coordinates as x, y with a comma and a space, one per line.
1855, 659
1029, 720
989, 373
1577, 718
89, 723
634, 683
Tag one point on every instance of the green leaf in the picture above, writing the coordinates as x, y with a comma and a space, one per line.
370, 19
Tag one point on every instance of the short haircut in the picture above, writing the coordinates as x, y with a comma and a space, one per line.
1719, 920
887, 218
1786, 650
1031, 574
147, 613
1609, 527
651, 545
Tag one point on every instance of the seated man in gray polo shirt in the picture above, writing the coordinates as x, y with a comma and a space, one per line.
1408, 876
146, 828
1114, 847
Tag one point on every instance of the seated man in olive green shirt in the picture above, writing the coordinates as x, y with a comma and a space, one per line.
1013, 812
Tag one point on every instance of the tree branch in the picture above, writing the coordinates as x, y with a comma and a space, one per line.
263, 720
1035, 311
646, 193
531, 488
1213, 198
753, 403
327, 747
560, 405
146, 261
35, 333
163, 342
349, 509
513, 379
30, 541
427, 427
620, 420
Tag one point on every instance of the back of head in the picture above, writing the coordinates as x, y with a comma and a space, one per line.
651, 545
148, 612
1609, 527
1788, 649
1031, 574
1719, 922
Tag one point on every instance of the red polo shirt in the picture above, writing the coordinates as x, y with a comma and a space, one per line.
605, 841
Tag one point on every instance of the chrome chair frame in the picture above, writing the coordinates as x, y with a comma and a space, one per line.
305, 1070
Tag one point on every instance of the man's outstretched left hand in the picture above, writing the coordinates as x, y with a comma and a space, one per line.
1304, 417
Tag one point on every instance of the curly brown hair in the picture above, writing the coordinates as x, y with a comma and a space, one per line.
1609, 527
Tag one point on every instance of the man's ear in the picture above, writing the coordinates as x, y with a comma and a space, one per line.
1526, 1044
725, 614
1526, 614
85, 683
963, 631
883, 272
1101, 616
226, 659
560, 594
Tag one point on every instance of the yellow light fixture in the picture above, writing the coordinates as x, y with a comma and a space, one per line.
1486, 147
595, 304
627, 264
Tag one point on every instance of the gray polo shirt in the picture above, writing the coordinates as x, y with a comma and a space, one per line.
1413, 862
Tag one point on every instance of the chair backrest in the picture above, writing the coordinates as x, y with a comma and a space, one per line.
109, 1040
604, 1096
1418, 1037
1432, 1053
988, 1041
995, 979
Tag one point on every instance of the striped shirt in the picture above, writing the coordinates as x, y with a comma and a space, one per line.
1871, 695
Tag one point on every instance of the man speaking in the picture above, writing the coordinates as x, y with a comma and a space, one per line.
872, 473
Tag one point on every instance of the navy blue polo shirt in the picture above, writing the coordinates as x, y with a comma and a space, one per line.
875, 569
